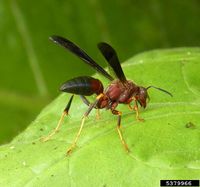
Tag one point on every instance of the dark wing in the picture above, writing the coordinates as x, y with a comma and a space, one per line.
80, 53
111, 56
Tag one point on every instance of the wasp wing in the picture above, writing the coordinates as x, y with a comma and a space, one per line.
67, 44
111, 56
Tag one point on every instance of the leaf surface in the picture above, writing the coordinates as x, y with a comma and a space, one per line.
165, 146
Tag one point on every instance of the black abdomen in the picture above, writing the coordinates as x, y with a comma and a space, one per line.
83, 85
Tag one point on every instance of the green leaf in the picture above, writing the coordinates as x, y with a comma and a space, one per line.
165, 146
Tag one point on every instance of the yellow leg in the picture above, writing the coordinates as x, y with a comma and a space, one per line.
122, 139
73, 145
60, 122
137, 113
44, 139
97, 114
115, 112
136, 110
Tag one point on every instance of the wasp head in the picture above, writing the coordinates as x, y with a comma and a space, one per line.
142, 95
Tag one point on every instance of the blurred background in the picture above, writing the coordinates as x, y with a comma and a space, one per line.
32, 68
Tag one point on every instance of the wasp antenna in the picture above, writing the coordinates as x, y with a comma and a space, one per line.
165, 91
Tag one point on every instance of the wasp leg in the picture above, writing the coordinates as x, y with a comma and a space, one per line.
118, 113
91, 106
135, 107
85, 100
60, 122
98, 114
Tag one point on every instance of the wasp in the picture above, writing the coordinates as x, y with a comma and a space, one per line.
119, 91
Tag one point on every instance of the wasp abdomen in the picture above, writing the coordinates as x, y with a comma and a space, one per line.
83, 85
